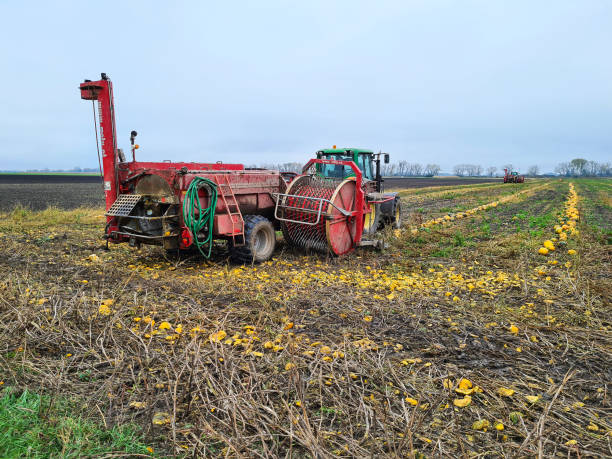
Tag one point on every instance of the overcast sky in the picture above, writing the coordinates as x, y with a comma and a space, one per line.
485, 82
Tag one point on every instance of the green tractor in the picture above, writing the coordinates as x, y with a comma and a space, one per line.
385, 208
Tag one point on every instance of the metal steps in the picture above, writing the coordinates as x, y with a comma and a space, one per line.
232, 208
123, 205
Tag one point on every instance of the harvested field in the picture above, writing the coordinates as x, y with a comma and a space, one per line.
422, 182
50, 178
459, 339
37, 192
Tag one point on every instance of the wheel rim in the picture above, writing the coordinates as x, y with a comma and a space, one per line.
341, 231
370, 218
260, 242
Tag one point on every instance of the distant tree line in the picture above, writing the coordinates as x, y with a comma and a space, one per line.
475, 170
580, 167
403, 169
73, 170
406, 169
284, 167
468, 170
399, 169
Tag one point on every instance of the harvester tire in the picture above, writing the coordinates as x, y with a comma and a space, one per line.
397, 214
259, 238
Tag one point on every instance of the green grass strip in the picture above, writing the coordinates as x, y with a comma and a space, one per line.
31, 426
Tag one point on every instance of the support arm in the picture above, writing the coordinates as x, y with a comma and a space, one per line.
102, 91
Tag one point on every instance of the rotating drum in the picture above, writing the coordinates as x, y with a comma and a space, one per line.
334, 231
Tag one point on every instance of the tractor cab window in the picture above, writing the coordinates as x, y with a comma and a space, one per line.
365, 164
336, 170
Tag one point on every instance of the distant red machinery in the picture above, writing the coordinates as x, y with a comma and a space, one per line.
513, 177
179, 205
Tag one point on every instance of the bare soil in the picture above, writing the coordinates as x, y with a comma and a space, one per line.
422, 182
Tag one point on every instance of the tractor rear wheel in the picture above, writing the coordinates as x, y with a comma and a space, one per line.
259, 238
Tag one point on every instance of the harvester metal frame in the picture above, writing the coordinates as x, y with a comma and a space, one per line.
179, 205
319, 212
154, 192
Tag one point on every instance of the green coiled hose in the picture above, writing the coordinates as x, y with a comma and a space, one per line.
205, 217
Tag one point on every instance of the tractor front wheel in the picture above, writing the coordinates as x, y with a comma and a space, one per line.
371, 220
259, 238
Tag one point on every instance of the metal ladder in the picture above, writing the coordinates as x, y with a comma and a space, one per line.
232, 208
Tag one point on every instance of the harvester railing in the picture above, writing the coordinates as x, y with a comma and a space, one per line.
319, 211
323, 213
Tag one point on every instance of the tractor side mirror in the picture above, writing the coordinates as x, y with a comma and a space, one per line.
386, 158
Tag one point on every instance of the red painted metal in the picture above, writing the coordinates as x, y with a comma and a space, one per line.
510, 177
342, 233
311, 232
163, 185
252, 188
102, 91
186, 239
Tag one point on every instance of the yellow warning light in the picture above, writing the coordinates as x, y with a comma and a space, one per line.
136, 147
334, 147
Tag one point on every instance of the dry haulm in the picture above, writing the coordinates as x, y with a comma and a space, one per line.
470, 212
373, 354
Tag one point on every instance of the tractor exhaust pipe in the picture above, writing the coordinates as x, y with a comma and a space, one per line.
133, 135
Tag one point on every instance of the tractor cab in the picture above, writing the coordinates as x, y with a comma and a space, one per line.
367, 161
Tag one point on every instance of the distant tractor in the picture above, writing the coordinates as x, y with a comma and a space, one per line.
385, 208
513, 177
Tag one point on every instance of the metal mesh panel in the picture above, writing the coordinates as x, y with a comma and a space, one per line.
124, 204
307, 236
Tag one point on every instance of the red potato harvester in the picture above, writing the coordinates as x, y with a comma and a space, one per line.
513, 177
179, 205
